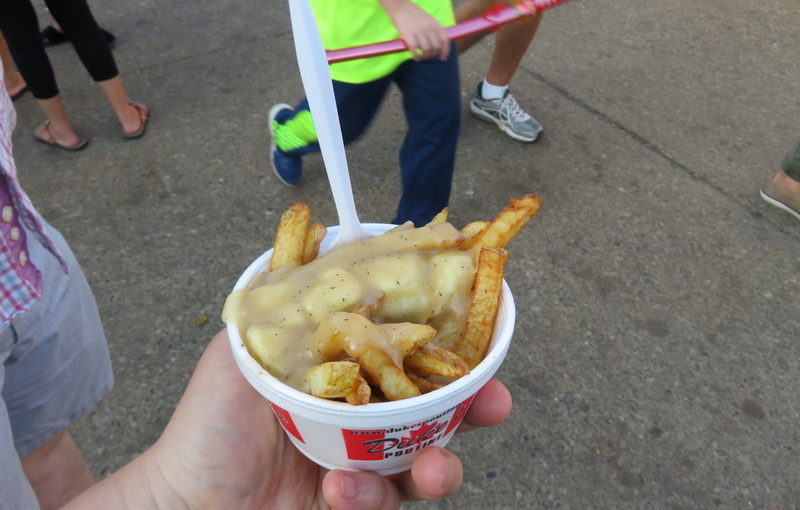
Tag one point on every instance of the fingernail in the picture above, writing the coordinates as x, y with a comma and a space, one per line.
348, 485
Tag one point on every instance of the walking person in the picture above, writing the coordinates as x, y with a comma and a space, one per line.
492, 101
428, 79
54, 362
14, 82
20, 26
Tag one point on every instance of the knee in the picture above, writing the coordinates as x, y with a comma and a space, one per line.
448, 115
44, 462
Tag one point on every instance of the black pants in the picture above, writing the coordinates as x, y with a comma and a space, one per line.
20, 26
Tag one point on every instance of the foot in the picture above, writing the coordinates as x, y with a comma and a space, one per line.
289, 169
60, 137
15, 84
135, 120
506, 113
783, 192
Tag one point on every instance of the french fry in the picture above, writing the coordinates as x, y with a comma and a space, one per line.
369, 303
507, 224
290, 237
424, 385
474, 228
314, 236
483, 307
431, 237
433, 360
390, 378
407, 336
439, 218
408, 225
360, 393
364, 309
333, 379
356, 303
376, 398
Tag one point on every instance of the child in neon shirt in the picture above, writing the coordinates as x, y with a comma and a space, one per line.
429, 81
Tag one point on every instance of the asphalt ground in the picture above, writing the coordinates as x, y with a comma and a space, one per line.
656, 357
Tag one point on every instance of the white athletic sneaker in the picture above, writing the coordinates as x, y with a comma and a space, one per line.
507, 114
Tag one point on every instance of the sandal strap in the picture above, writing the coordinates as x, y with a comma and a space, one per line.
50, 138
140, 109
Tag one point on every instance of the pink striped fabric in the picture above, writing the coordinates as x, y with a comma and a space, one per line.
20, 280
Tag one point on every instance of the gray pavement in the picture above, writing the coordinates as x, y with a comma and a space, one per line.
657, 354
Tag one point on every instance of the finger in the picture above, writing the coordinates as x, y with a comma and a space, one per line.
435, 474
413, 45
425, 45
359, 490
431, 41
445, 48
491, 406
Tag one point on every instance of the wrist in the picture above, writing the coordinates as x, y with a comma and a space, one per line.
160, 487
393, 7
391, 4
140, 484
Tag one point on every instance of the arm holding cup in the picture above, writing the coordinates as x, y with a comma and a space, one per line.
224, 448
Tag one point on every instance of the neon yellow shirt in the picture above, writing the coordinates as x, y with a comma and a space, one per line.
345, 23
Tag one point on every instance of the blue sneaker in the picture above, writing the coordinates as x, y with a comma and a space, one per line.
289, 169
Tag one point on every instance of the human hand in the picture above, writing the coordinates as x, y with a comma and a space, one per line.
423, 34
223, 448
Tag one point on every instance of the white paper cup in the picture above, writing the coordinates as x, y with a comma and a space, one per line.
382, 437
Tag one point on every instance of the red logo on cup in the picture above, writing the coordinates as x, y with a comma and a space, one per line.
458, 415
385, 443
286, 421
359, 443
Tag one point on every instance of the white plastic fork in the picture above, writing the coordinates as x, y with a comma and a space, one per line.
313, 63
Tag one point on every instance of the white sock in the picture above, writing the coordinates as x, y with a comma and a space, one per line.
489, 91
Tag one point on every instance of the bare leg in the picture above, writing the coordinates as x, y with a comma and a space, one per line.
492, 102
511, 41
14, 81
57, 471
60, 126
510, 45
127, 115
468, 10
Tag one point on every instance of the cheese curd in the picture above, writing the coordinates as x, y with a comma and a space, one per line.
290, 318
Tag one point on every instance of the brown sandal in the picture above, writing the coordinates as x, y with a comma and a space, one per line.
50, 140
143, 118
